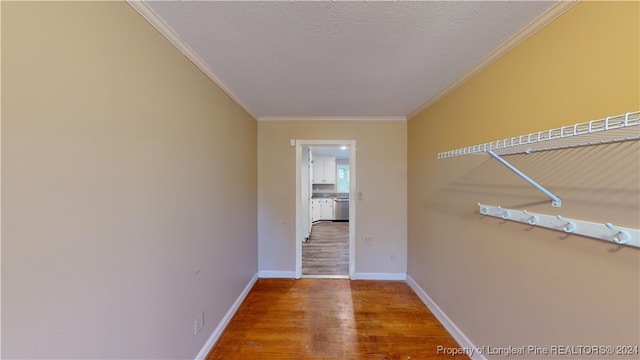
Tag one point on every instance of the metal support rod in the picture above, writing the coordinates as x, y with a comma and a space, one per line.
555, 201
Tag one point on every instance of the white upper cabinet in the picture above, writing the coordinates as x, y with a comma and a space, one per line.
324, 170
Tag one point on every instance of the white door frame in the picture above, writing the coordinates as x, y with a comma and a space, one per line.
352, 203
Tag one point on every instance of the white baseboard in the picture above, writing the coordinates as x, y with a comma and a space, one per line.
455, 332
225, 320
380, 276
266, 274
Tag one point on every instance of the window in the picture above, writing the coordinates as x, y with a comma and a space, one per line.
343, 178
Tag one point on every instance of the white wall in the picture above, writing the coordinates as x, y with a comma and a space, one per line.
381, 177
128, 188
504, 283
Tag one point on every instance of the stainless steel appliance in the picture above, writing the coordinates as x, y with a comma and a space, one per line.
341, 209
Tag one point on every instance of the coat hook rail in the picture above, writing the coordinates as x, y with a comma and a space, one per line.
601, 231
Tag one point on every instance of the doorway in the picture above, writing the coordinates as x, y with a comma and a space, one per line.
331, 215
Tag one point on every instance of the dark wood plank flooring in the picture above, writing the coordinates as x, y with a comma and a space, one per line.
326, 252
332, 319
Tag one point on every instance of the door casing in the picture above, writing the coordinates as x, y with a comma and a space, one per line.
352, 204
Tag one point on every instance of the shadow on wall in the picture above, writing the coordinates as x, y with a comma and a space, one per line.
599, 183
530, 284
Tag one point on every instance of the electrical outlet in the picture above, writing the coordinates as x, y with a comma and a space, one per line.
198, 324
394, 257
368, 242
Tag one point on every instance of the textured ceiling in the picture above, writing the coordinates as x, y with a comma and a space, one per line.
342, 59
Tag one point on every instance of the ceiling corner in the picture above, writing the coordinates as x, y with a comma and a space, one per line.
152, 18
559, 8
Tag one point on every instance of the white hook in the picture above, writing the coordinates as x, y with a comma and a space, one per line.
622, 237
532, 220
505, 213
483, 209
569, 227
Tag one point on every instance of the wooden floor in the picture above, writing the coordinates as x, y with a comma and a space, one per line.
332, 319
326, 252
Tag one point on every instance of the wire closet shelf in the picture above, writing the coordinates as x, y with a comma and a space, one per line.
618, 128
608, 130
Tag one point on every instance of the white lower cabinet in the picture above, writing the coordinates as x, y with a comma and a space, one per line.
326, 209
315, 209
321, 209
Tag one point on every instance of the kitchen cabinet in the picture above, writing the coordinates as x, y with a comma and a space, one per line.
315, 210
321, 209
326, 209
324, 170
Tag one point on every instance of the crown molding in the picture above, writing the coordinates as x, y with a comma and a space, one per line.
148, 14
333, 118
537, 24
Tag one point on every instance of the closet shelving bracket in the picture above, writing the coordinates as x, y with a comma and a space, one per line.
625, 127
555, 200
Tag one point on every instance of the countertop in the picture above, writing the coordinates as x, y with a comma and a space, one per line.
330, 196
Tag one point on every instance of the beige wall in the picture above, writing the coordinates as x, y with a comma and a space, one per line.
129, 188
502, 283
381, 166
